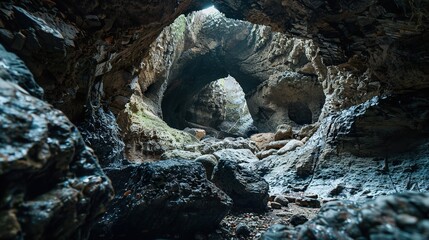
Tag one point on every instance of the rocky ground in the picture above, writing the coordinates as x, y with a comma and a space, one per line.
251, 225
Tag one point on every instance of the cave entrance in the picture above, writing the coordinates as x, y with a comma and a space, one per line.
221, 109
275, 73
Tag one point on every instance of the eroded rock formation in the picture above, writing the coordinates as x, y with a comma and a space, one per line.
52, 186
221, 106
347, 81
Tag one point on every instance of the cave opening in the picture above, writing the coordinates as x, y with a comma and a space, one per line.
220, 108
273, 70
300, 113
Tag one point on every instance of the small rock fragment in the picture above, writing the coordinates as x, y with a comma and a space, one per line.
275, 205
284, 131
282, 200
298, 219
242, 230
308, 202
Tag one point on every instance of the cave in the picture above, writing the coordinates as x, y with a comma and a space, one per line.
214, 119
220, 108
300, 113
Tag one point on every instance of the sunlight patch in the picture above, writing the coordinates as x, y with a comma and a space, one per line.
210, 10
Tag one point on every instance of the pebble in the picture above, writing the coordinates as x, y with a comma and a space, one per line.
298, 219
242, 230
308, 202
282, 200
275, 205
291, 199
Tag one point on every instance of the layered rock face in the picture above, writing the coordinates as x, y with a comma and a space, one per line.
52, 186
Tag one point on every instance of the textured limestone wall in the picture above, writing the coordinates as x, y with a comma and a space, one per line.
222, 105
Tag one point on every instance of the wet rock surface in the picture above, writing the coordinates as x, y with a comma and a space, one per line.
162, 199
52, 186
246, 189
330, 155
400, 216
350, 78
14, 70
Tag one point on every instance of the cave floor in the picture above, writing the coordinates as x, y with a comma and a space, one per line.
256, 222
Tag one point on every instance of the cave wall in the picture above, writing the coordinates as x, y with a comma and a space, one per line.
91, 53
370, 49
222, 106
51, 184
201, 48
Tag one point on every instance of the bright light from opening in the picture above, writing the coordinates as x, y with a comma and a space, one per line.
210, 10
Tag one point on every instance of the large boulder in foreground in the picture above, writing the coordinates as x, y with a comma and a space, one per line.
51, 185
247, 189
399, 216
161, 199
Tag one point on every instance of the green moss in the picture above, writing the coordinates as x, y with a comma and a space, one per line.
178, 27
154, 128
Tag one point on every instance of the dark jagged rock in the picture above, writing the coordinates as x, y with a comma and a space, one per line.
308, 202
384, 126
13, 69
400, 216
296, 220
102, 134
246, 188
242, 230
51, 185
64, 42
157, 199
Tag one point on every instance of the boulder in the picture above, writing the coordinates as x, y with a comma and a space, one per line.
209, 162
180, 154
298, 219
308, 130
282, 200
266, 153
211, 145
275, 205
283, 132
262, 139
308, 202
246, 188
236, 155
161, 199
290, 146
242, 230
276, 144
196, 132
